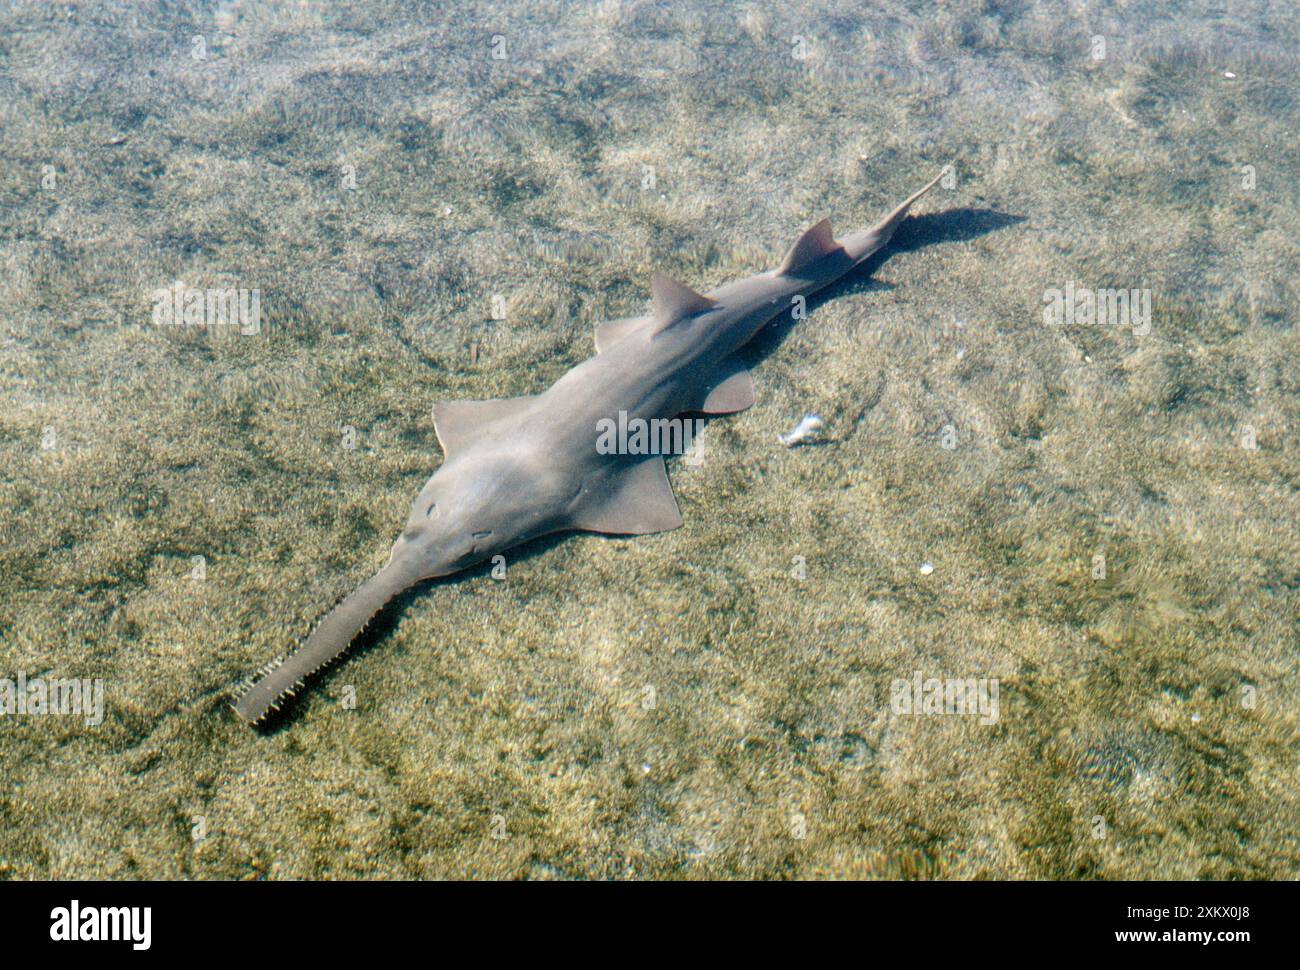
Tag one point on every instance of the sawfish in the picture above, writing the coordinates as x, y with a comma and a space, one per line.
519, 468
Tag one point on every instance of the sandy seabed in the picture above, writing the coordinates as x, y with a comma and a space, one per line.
434, 206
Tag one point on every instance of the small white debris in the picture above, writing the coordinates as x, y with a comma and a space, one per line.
1229, 75
927, 568
447, 211
1196, 719
801, 432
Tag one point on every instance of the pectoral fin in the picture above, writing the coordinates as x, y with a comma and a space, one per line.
459, 422
732, 389
636, 500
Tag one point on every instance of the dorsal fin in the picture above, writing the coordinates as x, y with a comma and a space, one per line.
808, 248
674, 301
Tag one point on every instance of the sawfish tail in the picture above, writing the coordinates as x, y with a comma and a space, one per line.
340, 627
860, 245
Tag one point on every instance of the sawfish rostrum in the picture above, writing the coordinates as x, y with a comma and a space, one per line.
524, 467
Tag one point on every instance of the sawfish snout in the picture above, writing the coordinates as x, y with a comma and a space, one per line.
421, 558
429, 548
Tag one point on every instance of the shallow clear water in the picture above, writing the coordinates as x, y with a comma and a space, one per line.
1090, 517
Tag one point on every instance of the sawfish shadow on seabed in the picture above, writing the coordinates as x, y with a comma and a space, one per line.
916, 232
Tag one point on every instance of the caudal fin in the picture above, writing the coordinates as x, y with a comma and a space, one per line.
860, 245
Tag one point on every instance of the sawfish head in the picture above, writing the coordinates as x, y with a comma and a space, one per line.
471, 510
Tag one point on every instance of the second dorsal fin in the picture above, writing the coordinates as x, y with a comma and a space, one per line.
674, 301
808, 248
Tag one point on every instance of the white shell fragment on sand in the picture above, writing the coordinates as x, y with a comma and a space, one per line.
801, 432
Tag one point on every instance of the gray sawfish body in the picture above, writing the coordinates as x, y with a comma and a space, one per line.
520, 468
